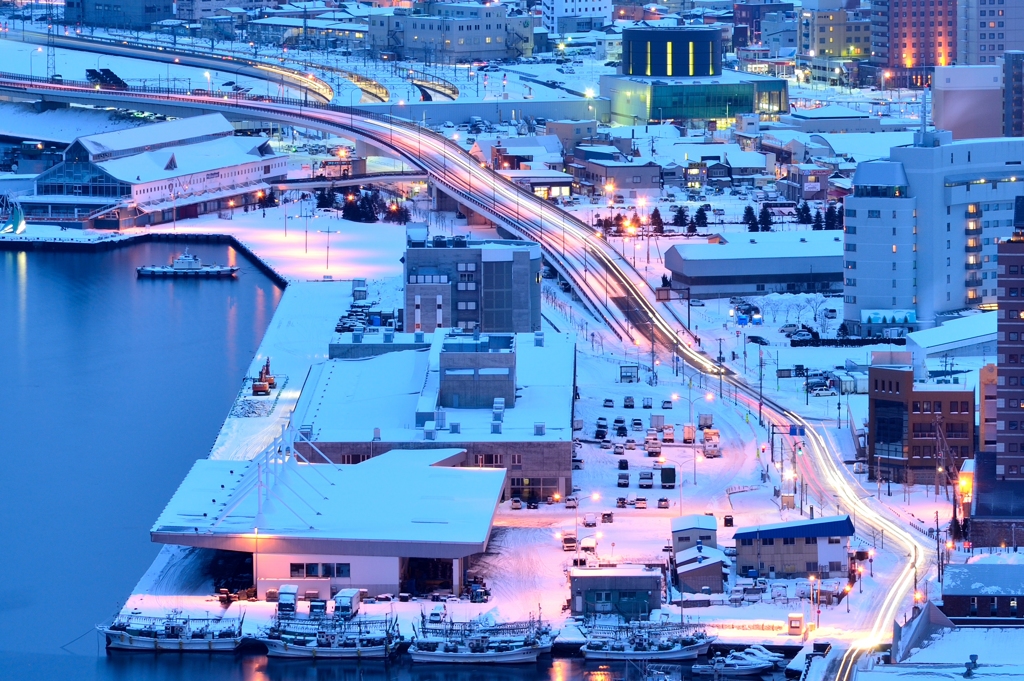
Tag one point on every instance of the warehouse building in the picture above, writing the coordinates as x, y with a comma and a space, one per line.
759, 263
800, 548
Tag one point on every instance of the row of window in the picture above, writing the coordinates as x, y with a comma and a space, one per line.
320, 570
882, 388
927, 451
925, 407
789, 541
810, 566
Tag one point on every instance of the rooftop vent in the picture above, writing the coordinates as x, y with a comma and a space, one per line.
357, 334
538, 339
389, 335
440, 418
753, 241
539, 429
418, 337
803, 240
498, 415
495, 427
455, 428
429, 431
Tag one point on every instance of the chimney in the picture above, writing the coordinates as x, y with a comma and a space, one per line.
538, 339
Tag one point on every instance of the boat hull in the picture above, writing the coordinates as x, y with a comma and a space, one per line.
171, 272
728, 671
514, 656
122, 640
677, 652
279, 648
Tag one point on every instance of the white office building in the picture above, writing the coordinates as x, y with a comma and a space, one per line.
922, 228
573, 16
988, 28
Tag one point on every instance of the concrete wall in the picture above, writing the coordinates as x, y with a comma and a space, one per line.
477, 390
377, 574
685, 539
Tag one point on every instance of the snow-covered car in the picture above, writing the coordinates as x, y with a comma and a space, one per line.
609, 404
630, 443
589, 520
602, 422
606, 443
572, 501
663, 502
619, 449
619, 421
517, 504
824, 392
801, 336
729, 550
666, 404
788, 329
696, 302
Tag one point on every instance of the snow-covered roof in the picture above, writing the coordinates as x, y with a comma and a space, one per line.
967, 330
614, 571
189, 159
983, 579
401, 503
759, 246
863, 146
343, 400
692, 555
827, 112
827, 526
695, 521
880, 174
180, 131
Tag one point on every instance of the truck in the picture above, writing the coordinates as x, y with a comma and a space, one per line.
287, 597
705, 421
657, 422
623, 480
668, 434
711, 440
668, 477
653, 447
569, 541
346, 603
689, 433
646, 479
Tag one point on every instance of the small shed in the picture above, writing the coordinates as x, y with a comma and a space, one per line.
631, 591
687, 530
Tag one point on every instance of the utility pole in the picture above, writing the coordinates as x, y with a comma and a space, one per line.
721, 370
760, 387
938, 546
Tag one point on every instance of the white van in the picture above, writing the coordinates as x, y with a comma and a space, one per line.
437, 614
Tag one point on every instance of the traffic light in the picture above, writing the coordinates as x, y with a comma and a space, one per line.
764, 449
799, 448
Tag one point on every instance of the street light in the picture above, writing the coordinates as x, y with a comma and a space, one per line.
847, 599
209, 85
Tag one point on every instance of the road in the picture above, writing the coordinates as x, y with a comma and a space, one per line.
604, 280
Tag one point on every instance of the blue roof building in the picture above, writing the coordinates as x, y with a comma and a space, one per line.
819, 547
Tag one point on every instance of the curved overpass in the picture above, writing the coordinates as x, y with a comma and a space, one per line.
605, 281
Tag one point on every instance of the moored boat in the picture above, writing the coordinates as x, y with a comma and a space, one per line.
186, 265
362, 639
645, 649
173, 633
721, 666
474, 650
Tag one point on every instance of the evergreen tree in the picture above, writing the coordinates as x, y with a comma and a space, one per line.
764, 219
803, 214
657, 223
350, 209
692, 227
617, 223
750, 219
818, 222
681, 217
832, 220
367, 208
701, 218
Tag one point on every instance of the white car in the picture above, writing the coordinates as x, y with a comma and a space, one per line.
696, 302
572, 502
801, 336
824, 392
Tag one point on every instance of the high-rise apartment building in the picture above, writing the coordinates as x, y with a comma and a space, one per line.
908, 37
922, 229
828, 30
1013, 93
1010, 355
987, 28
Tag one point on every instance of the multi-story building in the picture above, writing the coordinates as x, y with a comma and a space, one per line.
750, 13
490, 285
801, 548
118, 13
958, 93
829, 31
909, 38
1013, 93
1010, 359
987, 28
987, 414
575, 16
916, 430
922, 228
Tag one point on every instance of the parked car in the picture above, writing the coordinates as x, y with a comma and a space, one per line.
517, 504
628, 403
621, 431
600, 433
602, 422
823, 392
619, 421
630, 443
619, 449
623, 480
623, 464
608, 404
666, 404
729, 551
620, 502
859, 467
532, 504
641, 502
789, 329
696, 302
801, 336
589, 520
572, 501
663, 502
606, 443
637, 424
831, 313
759, 340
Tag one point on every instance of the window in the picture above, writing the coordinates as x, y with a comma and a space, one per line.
327, 570
788, 541
874, 213
746, 542
810, 540
812, 566
343, 570
835, 540
312, 569
297, 570
835, 566
769, 541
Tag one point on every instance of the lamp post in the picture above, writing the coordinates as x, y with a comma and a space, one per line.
847, 599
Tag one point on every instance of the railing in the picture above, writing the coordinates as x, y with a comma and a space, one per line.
972, 266
972, 248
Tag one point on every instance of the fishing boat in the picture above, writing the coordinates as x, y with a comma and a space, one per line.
645, 648
723, 667
757, 654
186, 265
173, 633
332, 639
15, 223
476, 649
